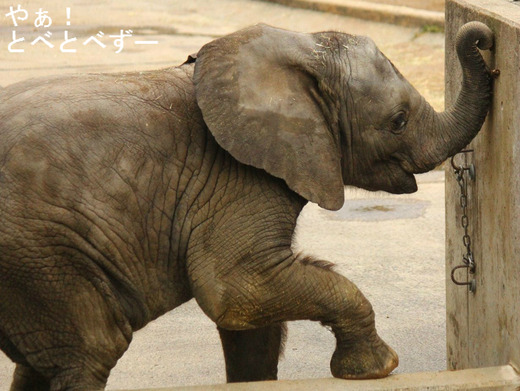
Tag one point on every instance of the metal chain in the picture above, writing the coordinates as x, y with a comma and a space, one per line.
467, 259
464, 220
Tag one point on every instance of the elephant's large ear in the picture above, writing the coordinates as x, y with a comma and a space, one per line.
261, 103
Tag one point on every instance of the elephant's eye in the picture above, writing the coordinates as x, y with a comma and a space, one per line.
398, 122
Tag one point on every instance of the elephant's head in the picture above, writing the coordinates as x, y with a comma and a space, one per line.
328, 109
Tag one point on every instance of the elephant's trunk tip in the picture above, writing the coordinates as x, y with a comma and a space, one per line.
475, 33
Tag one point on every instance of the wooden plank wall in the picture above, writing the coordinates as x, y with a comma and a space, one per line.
483, 328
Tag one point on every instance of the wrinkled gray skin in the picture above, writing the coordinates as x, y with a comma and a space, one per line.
125, 195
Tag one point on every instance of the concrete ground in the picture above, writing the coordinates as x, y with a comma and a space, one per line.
392, 247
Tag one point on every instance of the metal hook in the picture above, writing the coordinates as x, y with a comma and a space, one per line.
472, 284
471, 168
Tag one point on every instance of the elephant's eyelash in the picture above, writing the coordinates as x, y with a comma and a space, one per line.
398, 122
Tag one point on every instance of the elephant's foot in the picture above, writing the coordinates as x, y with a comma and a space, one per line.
363, 359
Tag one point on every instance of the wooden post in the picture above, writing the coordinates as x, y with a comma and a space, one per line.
483, 328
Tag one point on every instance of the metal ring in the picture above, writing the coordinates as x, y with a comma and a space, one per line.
453, 275
453, 158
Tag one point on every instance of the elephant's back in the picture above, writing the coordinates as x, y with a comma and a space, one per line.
73, 126
86, 108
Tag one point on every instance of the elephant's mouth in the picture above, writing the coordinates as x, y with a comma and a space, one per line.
405, 165
411, 167
403, 177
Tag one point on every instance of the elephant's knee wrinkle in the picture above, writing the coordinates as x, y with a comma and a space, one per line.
234, 319
226, 313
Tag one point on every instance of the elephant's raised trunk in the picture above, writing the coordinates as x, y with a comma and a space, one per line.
453, 129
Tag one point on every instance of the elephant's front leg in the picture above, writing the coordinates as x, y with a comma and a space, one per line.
27, 379
252, 355
249, 296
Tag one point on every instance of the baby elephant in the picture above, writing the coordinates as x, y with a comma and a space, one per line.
124, 195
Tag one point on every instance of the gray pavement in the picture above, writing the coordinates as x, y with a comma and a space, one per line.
392, 247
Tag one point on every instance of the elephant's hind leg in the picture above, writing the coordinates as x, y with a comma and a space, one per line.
64, 330
252, 355
27, 379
